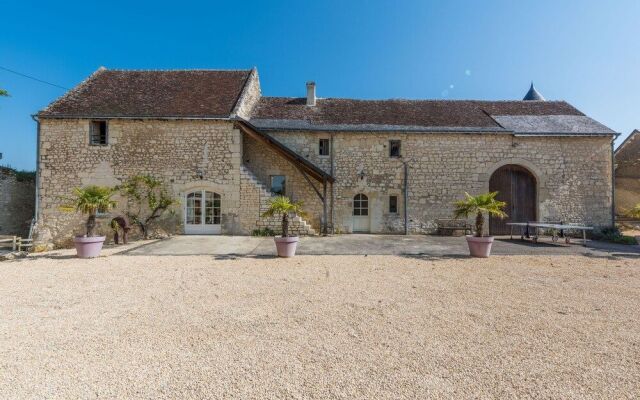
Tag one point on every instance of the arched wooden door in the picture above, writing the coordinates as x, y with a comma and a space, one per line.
517, 186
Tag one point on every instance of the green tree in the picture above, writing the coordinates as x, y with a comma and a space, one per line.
147, 199
283, 206
91, 200
4, 93
479, 205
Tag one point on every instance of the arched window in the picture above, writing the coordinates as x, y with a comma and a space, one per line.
361, 205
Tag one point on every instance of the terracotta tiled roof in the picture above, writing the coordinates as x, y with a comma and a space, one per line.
394, 113
173, 93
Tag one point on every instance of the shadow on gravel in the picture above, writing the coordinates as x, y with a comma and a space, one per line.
529, 243
127, 251
611, 256
434, 257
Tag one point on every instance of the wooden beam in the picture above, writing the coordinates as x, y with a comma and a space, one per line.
285, 152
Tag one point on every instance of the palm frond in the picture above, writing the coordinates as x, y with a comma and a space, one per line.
91, 199
281, 204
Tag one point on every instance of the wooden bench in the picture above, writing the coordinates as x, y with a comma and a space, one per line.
449, 226
18, 243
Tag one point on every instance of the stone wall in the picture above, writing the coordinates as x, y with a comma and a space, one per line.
17, 203
627, 159
254, 201
264, 162
185, 154
573, 174
249, 97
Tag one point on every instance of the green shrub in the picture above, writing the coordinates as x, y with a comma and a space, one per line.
614, 235
21, 175
263, 232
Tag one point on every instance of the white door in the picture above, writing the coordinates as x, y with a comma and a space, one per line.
202, 213
360, 213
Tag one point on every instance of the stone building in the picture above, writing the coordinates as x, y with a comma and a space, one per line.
17, 201
224, 150
627, 177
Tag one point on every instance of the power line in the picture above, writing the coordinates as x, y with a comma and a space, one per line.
31, 77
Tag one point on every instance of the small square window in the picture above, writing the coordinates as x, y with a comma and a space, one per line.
393, 204
323, 147
98, 133
394, 148
278, 185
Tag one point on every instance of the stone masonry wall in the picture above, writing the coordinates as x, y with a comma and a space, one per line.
628, 174
573, 174
249, 97
254, 201
186, 154
264, 162
17, 203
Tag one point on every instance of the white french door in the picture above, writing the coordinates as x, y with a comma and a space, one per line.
361, 213
202, 213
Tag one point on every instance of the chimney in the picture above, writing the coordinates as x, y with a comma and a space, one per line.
311, 93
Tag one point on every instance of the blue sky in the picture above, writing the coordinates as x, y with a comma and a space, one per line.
584, 52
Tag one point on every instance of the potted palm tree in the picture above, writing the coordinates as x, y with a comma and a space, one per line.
282, 206
90, 200
479, 245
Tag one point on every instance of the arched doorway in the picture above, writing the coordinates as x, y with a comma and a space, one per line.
202, 213
518, 187
361, 213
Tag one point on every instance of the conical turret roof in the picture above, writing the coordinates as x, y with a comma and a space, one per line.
533, 94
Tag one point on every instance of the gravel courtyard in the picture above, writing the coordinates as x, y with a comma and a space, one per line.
369, 327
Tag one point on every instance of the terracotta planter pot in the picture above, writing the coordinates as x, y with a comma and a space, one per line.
479, 246
286, 246
88, 247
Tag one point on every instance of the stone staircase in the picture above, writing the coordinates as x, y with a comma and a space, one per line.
297, 225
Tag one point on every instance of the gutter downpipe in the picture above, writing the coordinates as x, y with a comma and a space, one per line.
331, 160
406, 196
37, 203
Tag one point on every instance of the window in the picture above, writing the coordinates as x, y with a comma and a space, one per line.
323, 147
98, 133
203, 207
278, 185
361, 205
393, 204
394, 148
212, 208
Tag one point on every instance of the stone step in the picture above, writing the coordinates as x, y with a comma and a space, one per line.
297, 224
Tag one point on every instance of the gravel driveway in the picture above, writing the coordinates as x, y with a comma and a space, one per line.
383, 327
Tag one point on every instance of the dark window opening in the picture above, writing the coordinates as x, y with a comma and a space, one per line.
394, 148
323, 147
393, 204
278, 185
98, 133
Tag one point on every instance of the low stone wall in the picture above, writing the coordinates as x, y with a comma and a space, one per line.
17, 202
